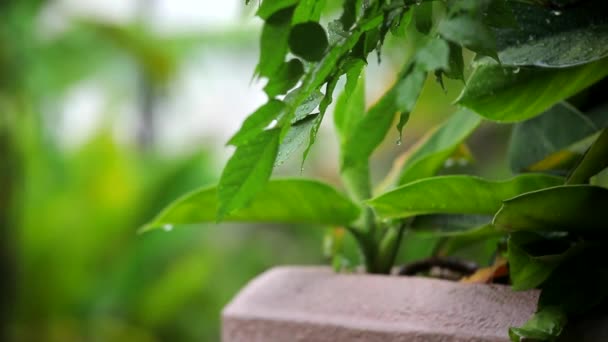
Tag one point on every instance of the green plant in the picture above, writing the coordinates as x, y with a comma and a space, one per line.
539, 65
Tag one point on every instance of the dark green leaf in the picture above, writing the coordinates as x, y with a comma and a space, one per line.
547, 37
455, 195
285, 78
509, 95
455, 68
569, 208
529, 268
470, 33
308, 40
430, 155
247, 172
594, 161
555, 130
305, 107
546, 325
280, 201
274, 43
423, 17
350, 13
257, 122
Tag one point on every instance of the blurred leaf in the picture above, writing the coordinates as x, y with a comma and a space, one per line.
307, 106
548, 37
433, 55
281, 201
423, 17
509, 95
350, 106
257, 122
247, 171
270, 7
486, 275
308, 40
470, 33
285, 78
274, 41
308, 10
546, 325
594, 161
556, 129
455, 68
569, 208
428, 157
455, 195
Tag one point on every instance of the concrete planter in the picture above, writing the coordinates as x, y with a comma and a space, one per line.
314, 304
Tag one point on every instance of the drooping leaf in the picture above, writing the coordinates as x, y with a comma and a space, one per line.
470, 33
455, 68
325, 102
350, 106
546, 325
285, 78
247, 172
371, 130
280, 201
547, 37
455, 195
274, 42
509, 95
594, 161
568, 208
556, 129
308, 40
257, 122
407, 93
429, 156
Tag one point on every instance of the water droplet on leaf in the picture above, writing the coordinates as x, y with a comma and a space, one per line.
168, 227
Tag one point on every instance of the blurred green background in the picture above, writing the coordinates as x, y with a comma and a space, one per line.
108, 116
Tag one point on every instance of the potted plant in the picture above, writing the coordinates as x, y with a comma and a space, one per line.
540, 66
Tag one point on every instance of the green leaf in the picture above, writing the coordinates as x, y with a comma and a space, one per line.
350, 106
455, 195
270, 7
285, 78
371, 130
555, 130
433, 55
280, 201
247, 172
509, 95
308, 10
429, 156
455, 68
578, 35
296, 137
306, 106
308, 40
470, 33
274, 42
257, 122
546, 325
594, 161
568, 208
533, 258
423, 17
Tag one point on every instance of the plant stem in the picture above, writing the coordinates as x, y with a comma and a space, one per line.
389, 246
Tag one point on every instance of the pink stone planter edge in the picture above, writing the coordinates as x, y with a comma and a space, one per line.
315, 304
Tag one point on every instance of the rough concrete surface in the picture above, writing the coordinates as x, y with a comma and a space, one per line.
314, 304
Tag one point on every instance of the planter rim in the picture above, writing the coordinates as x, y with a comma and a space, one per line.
317, 304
